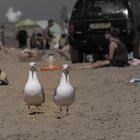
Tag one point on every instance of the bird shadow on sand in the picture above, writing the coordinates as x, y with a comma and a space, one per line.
36, 113
59, 116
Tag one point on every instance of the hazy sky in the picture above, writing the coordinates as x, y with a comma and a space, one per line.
36, 9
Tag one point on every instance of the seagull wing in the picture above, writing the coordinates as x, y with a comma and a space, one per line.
54, 93
43, 94
74, 90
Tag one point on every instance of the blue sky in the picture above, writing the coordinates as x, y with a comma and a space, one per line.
36, 9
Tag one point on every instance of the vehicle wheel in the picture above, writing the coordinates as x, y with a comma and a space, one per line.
74, 55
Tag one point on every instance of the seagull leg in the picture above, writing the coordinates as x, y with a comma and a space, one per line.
29, 109
67, 110
28, 106
60, 112
60, 109
37, 109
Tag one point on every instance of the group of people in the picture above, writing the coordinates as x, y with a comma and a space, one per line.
117, 55
63, 45
43, 41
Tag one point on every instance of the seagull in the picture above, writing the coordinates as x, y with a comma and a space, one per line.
64, 94
33, 91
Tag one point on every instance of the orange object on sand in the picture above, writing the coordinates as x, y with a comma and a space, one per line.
53, 67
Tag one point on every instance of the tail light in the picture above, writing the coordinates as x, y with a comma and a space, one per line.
71, 29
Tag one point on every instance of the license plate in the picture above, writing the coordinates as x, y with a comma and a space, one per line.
104, 25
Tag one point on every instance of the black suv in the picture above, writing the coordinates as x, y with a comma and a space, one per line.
90, 19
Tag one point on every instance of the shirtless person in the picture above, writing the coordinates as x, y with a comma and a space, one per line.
48, 35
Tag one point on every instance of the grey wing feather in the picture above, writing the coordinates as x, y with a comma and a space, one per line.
74, 91
55, 92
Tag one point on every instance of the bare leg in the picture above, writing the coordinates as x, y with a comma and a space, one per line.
67, 110
91, 66
60, 113
28, 106
2, 48
65, 52
36, 110
60, 109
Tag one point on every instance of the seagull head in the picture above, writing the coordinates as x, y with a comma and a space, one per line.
65, 70
33, 67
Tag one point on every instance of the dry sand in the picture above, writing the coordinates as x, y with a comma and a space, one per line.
107, 107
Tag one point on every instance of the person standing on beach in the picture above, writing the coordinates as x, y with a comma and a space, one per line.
65, 26
2, 38
48, 35
22, 38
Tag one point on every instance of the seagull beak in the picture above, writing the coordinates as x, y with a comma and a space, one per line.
66, 75
66, 71
33, 70
69, 68
32, 73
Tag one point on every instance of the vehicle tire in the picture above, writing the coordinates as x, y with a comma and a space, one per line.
74, 55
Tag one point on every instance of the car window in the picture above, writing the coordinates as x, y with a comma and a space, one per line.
100, 8
79, 9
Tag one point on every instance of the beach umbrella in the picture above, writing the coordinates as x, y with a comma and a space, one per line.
27, 23
42, 23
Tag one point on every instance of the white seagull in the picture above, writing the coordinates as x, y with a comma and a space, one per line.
33, 91
65, 93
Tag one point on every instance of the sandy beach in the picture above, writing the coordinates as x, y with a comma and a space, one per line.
107, 107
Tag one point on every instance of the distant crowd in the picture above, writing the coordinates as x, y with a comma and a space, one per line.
44, 40
35, 45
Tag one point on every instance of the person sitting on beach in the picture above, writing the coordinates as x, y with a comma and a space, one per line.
33, 42
118, 54
64, 47
3, 78
39, 41
31, 54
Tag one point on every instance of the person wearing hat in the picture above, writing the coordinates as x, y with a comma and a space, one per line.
117, 55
